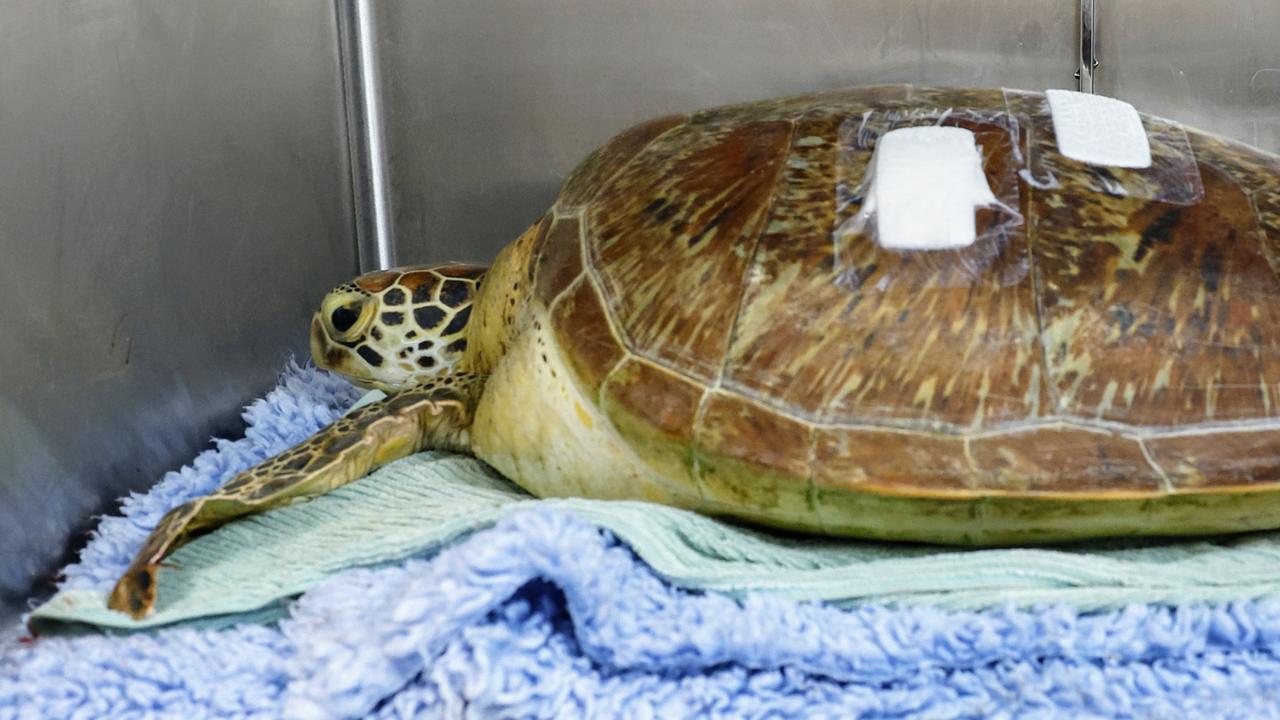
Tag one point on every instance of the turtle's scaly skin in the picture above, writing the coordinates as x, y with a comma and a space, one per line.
408, 327
344, 451
673, 330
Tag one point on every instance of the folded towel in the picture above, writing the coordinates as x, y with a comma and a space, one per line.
547, 613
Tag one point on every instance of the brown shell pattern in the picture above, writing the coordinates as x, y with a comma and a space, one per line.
1107, 343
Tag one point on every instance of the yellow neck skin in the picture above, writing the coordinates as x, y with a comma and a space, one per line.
500, 305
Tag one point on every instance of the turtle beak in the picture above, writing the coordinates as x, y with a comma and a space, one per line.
334, 357
326, 354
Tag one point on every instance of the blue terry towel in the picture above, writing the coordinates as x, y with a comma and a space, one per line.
547, 615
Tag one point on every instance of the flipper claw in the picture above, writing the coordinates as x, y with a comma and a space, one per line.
135, 592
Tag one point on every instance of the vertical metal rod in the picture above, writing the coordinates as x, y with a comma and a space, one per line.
1088, 61
366, 143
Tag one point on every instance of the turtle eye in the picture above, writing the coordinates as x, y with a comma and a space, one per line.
346, 316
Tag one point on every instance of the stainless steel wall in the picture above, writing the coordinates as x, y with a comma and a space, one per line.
173, 201
491, 102
1213, 65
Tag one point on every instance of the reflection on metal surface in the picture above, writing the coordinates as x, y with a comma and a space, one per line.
175, 202
490, 103
1088, 52
1215, 66
362, 89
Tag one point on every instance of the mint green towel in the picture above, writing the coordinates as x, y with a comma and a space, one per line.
250, 568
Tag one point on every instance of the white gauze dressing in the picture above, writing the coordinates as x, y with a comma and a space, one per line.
1098, 130
925, 184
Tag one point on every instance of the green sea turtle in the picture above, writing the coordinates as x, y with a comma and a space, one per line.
688, 324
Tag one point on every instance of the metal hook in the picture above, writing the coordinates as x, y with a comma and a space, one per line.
1088, 63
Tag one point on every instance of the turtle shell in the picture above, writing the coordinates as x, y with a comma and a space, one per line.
1117, 339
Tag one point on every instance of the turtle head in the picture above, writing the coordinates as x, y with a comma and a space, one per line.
395, 329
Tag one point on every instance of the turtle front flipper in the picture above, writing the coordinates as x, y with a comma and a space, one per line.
435, 415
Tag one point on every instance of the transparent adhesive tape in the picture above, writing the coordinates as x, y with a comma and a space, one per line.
1172, 176
950, 252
